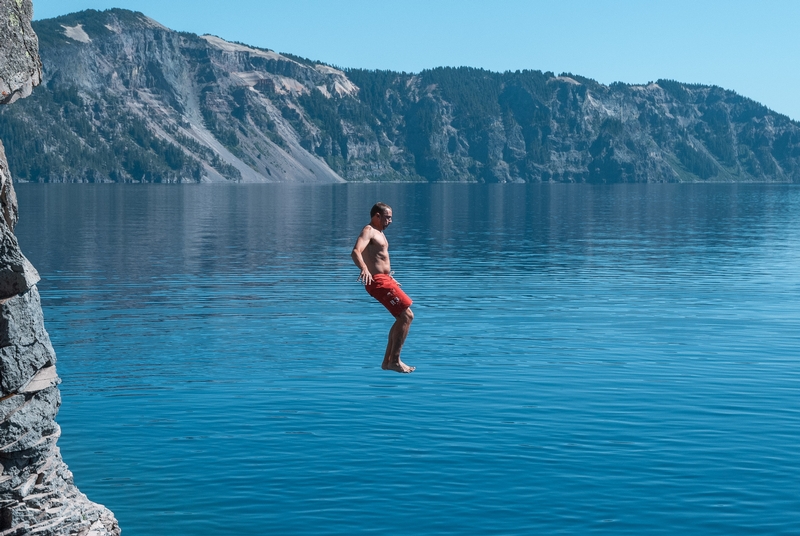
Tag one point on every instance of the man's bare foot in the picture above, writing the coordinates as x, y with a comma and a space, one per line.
398, 367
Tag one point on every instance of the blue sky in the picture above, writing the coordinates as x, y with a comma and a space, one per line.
750, 47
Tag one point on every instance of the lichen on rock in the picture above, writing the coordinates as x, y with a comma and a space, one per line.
37, 491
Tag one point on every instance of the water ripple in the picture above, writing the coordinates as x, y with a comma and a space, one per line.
617, 360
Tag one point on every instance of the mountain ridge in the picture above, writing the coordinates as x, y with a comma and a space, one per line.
126, 99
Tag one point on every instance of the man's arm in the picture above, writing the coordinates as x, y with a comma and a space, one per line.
358, 258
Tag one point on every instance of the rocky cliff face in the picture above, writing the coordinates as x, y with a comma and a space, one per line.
37, 493
126, 99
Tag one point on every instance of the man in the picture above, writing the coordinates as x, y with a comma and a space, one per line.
371, 255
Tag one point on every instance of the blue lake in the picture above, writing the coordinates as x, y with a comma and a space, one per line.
590, 360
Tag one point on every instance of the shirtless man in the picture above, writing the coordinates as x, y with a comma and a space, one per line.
371, 255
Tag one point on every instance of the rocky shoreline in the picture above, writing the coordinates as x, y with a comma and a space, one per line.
37, 491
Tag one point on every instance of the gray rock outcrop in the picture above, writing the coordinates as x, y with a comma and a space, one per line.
37, 492
20, 66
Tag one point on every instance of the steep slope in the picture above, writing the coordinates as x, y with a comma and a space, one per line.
129, 100
470, 124
37, 493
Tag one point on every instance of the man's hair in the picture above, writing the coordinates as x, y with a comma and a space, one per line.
379, 208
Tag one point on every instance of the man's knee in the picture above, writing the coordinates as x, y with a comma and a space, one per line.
406, 316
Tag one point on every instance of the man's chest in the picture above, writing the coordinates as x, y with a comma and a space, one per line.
378, 243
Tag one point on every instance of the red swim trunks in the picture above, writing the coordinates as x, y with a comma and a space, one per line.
387, 291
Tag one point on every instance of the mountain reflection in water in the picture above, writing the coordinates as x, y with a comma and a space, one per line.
605, 360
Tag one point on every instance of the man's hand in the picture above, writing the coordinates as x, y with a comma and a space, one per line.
365, 277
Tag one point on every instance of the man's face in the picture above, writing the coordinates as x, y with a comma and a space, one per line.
386, 218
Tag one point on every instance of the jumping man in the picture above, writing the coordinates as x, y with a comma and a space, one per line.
371, 255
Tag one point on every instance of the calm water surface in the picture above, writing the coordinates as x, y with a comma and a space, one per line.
591, 360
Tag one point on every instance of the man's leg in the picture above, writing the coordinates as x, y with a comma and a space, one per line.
397, 336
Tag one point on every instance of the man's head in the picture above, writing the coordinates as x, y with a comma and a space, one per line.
381, 216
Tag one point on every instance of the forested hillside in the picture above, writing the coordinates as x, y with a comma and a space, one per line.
125, 99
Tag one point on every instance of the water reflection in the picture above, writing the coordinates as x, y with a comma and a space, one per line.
138, 231
612, 359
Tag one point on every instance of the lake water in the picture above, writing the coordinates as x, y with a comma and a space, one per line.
590, 360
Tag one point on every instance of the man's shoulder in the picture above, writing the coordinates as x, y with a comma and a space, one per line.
369, 230
373, 234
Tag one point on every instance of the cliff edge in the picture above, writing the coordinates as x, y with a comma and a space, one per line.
37, 493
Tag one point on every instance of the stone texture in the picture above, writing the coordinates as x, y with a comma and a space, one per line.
45, 378
17, 274
37, 491
20, 66
24, 344
8, 198
31, 422
42, 499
